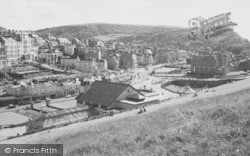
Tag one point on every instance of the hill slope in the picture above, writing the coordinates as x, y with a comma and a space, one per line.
91, 30
162, 35
217, 125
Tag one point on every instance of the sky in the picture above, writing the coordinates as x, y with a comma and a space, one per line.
39, 14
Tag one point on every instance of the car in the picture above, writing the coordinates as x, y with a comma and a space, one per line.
27, 102
11, 106
68, 96
38, 101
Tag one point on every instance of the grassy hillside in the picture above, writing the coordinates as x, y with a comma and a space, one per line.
161, 35
91, 30
213, 126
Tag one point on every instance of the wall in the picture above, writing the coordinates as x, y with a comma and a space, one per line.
209, 64
124, 95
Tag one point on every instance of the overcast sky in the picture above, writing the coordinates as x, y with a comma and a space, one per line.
38, 14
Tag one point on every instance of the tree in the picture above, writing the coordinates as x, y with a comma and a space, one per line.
236, 49
59, 60
4, 74
22, 58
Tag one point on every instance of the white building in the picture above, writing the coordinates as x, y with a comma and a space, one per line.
63, 41
87, 66
69, 49
50, 57
11, 50
2, 56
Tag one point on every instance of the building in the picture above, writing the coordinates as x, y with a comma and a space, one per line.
11, 50
63, 41
76, 41
39, 41
100, 44
95, 54
163, 57
108, 95
145, 58
87, 66
19, 46
3, 60
110, 45
119, 46
25, 92
26, 71
34, 53
112, 61
51, 56
128, 60
68, 49
81, 49
210, 64
25, 47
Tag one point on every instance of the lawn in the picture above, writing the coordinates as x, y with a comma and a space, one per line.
214, 126
9, 118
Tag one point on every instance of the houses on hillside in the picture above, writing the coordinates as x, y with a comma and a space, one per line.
87, 66
50, 56
210, 64
16, 46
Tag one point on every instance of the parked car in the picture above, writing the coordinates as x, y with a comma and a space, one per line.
27, 102
11, 106
68, 96
38, 101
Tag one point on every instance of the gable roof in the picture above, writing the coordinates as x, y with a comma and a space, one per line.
103, 93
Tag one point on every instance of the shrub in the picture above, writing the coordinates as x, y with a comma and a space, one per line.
162, 136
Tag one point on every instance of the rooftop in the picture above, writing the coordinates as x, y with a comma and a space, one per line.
148, 99
103, 93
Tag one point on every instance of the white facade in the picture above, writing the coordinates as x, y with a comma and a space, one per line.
50, 57
69, 49
63, 41
85, 65
11, 50
2, 56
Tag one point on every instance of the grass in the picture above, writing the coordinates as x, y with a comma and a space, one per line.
212, 126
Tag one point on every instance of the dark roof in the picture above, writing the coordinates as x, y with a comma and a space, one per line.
103, 93
65, 111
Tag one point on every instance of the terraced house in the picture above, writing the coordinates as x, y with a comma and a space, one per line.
2, 56
17, 46
87, 66
11, 50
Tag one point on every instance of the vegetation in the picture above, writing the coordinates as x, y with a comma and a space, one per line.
213, 126
160, 35
4, 75
91, 30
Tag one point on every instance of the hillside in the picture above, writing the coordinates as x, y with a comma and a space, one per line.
216, 125
91, 30
160, 35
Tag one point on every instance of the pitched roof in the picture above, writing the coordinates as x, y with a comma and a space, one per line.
103, 93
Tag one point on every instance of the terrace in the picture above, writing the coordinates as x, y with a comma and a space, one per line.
65, 119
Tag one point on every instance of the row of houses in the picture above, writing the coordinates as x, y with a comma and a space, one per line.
210, 63
16, 46
27, 92
86, 66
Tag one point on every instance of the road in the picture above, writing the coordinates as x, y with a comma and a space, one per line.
145, 81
